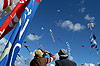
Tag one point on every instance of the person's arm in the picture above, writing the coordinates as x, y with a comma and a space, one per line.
51, 58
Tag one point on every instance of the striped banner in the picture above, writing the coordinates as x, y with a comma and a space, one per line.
15, 20
26, 18
11, 16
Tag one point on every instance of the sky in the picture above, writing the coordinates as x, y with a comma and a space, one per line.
68, 21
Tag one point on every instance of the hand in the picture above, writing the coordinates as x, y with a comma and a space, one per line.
46, 51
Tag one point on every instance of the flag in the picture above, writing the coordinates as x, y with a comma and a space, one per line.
13, 21
5, 54
15, 41
26, 18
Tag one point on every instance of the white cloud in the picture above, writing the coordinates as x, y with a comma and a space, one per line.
91, 19
52, 65
33, 37
88, 64
69, 25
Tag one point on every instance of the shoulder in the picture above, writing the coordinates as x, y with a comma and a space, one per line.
58, 63
72, 62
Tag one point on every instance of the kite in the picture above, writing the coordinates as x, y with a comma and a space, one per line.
82, 45
91, 25
7, 6
97, 51
93, 42
42, 28
19, 55
33, 33
41, 46
24, 42
58, 10
92, 38
59, 39
26, 47
69, 49
52, 35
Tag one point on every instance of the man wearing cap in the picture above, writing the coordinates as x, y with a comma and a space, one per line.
39, 58
63, 59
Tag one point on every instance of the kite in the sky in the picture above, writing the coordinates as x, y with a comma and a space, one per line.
42, 28
19, 55
26, 47
59, 38
91, 26
33, 33
82, 45
58, 10
24, 42
19, 58
41, 46
52, 35
97, 51
69, 49
93, 42
92, 38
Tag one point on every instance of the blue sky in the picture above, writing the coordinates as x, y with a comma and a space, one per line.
70, 25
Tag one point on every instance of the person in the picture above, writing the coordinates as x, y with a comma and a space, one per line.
39, 58
63, 59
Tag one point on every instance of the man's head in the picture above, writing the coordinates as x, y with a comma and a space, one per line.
39, 52
63, 53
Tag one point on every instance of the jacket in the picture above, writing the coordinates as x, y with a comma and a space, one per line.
65, 62
38, 62
42, 61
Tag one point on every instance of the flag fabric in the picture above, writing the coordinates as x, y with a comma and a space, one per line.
15, 41
11, 16
15, 19
5, 54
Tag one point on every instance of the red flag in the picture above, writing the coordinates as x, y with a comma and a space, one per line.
13, 18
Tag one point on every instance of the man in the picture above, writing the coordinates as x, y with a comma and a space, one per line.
63, 59
40, 60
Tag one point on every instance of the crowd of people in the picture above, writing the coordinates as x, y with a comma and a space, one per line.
40, 59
